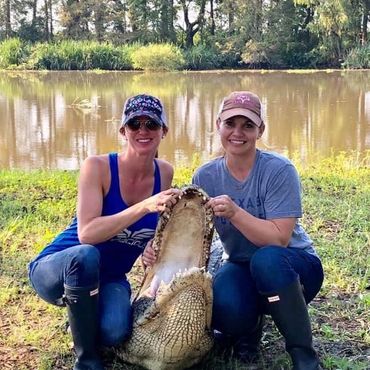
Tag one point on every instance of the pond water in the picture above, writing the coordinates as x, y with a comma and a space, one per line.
53, 120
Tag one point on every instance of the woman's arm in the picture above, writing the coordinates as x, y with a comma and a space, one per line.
260, 232
281, 199
94, 228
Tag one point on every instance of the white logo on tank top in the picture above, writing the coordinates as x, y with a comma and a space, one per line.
137, 238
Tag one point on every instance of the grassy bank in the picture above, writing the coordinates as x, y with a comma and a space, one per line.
16, 53
34, 206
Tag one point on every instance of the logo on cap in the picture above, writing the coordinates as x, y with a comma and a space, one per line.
144, 105
242, 99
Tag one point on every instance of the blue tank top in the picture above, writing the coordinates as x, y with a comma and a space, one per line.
118, 254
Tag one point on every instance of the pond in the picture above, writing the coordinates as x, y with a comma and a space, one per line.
53, 120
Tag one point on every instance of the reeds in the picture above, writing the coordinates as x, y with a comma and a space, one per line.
80, 55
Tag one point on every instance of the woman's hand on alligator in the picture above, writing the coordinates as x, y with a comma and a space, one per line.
148, 258
223, 206
163, 201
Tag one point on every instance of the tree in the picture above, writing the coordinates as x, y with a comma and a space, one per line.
330, 23
365, 20
191, 28
5, 18
99, 18
74, 18
166, 20
138, 15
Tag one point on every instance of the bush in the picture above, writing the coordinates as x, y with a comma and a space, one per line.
64, 55
202, 57
102, 56
67, 55
108, 57
256, 54
230, 48
358, 58
12, 52
126, 52
158, 57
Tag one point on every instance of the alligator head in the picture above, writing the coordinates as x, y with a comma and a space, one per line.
172, 311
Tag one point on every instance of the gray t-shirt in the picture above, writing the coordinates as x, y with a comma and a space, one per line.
271, 190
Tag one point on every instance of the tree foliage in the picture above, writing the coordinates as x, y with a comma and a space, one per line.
254, 33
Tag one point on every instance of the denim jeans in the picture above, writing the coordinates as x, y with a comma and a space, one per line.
238, 287
79, 267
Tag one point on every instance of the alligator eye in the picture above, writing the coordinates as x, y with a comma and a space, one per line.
185, 205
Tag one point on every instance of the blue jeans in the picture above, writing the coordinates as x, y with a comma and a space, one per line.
238, 287
79, 267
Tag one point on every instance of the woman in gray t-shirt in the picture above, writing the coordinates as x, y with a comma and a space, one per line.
271, 265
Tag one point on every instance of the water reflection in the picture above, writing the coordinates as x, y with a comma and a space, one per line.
55, 119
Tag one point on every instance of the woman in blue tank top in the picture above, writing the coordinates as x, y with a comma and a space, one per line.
119, 197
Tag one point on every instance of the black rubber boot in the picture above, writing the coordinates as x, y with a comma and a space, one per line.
246, 348
82, 308
289, 311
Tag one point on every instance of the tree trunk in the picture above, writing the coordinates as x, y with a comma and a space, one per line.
99, 21
189, 40
34, 11
365, 19
46, 5
230, 18
8, 25
212, 16
171, 20
164, 21
51, 28
192, 27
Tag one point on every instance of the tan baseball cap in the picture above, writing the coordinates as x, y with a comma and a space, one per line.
241, 103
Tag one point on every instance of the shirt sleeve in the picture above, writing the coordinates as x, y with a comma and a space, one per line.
283, 195
196, 179
203, 178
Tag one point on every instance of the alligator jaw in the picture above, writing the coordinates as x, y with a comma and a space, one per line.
182, 240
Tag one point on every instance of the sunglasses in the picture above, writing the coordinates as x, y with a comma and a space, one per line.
135, 125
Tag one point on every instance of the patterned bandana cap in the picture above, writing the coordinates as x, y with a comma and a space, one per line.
144, 105
241, 103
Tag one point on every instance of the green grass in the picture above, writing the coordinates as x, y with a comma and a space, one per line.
34, 206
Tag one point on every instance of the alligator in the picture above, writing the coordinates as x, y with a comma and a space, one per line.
172, 310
